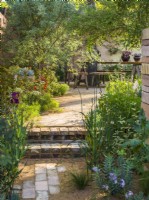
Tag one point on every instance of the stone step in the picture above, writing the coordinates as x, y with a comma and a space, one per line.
58, 134
54, 150
46, 141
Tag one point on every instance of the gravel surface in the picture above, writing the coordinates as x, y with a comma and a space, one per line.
73, 104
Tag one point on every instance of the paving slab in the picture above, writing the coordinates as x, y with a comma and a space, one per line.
40, 169
53, 180
41, 186
28, 184
41, 177
28, 193
52, 172
54, 189
42, 195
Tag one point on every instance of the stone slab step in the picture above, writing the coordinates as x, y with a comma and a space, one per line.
48, 133
46, 141
54, 150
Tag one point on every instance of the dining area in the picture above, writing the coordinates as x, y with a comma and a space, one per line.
98, 73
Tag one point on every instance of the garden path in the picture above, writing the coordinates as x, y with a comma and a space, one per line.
72, 106
50, 179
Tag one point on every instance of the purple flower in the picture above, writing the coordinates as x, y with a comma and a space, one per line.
105, 187
128, 194
122, 183
15, 97
95, 169
113, 177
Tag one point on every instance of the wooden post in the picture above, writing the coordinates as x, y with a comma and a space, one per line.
145, 71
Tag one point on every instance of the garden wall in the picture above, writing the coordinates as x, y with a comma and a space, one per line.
145, 71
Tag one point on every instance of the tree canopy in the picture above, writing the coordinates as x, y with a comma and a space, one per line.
47, 32
122, 21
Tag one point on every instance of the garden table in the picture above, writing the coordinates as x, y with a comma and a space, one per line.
101, 75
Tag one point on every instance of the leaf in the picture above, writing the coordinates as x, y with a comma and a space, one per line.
132, 143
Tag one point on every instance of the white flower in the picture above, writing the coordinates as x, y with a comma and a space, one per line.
128, 194
105, 187
95, 169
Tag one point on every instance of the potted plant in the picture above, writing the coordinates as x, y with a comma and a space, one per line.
125, 56
137, 56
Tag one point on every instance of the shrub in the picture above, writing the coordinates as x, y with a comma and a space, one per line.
111, 123
29, 111
136, 147
119, 108
94, 144
12, 147
59, 89
80, 180
47, 103
32, 97
144, 182
40, 103
114, 176
130, 196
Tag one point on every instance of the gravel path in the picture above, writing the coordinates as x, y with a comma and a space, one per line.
72, 106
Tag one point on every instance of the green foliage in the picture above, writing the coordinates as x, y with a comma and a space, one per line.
3, 5
47, 103
38, 32
136, 147
112, 121
123, 21
139, 196
14, 196
114, 176
94, 143
118, 109
59, 89
144, 182
29, 111
12, 147
6, 87
113, 50
80, 180
117, 67
39, 38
